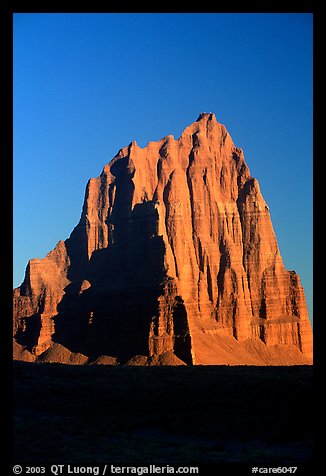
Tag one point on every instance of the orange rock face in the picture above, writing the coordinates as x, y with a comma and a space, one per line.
174, 261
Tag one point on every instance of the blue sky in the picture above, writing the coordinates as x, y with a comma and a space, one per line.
86, 85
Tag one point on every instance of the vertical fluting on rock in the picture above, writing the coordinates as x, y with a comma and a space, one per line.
174, 254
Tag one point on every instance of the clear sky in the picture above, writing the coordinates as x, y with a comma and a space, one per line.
86, 85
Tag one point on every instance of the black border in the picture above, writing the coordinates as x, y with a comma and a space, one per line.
7, 9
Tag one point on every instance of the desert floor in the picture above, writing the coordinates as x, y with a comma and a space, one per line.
162, 415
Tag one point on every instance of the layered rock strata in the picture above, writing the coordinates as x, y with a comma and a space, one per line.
174, 261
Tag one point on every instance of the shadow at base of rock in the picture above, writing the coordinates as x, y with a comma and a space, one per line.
113, 315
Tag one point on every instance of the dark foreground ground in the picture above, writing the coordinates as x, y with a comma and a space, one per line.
202, 415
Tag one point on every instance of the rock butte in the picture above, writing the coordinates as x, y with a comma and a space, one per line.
174, 261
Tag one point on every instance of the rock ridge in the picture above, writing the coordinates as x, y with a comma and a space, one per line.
174, 261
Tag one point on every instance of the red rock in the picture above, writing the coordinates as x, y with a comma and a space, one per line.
174, 260
106, 360
58, 353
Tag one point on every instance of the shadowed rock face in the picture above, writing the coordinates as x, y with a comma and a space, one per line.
174, 261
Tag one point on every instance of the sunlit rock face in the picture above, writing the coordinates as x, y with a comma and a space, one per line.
174, 261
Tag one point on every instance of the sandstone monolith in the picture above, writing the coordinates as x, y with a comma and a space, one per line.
174, 261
